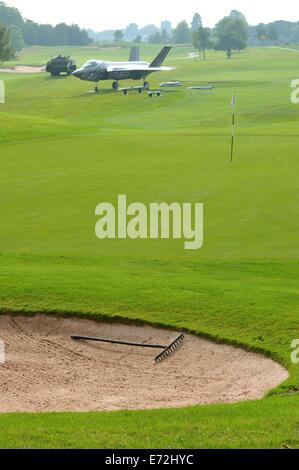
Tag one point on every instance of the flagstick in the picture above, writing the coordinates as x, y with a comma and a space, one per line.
233, 139
234, 101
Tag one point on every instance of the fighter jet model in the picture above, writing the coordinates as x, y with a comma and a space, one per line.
96, 70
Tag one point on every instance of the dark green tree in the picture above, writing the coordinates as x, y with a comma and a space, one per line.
232, 35
61, 34
195, 41
196, 22
201, 39
182, 33
155, 38
46, 35
10, 15
6, 50
138, 39
165, 37
118, 35
272, 33
16, 38
77, 36
261, 32
235, 14
31, 33
131, 31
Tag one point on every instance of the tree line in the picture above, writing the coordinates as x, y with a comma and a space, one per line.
26, 32
230, 34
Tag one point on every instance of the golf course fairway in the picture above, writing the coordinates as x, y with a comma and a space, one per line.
64, 150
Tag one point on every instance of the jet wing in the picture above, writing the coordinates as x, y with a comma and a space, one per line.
164, 68
137, 68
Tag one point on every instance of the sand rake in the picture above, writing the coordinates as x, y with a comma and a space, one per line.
167, 350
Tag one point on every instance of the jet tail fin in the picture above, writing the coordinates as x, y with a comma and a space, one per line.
158, 61
135, 54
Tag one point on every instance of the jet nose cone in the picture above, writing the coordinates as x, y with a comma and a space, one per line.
77, 73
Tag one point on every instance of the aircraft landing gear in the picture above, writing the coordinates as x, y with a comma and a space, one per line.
115, 86
146, 85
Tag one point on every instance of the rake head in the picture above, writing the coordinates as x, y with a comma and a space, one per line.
167, 350
170, 349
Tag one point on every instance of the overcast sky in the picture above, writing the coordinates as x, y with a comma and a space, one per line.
100, 15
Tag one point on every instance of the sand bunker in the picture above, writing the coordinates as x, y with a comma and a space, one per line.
22, 69
46, 371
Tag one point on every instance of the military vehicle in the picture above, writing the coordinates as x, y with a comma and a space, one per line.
61, 64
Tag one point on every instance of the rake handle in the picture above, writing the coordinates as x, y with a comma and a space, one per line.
124, 343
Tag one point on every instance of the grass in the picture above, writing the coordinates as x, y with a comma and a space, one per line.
235, 426
63, 150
